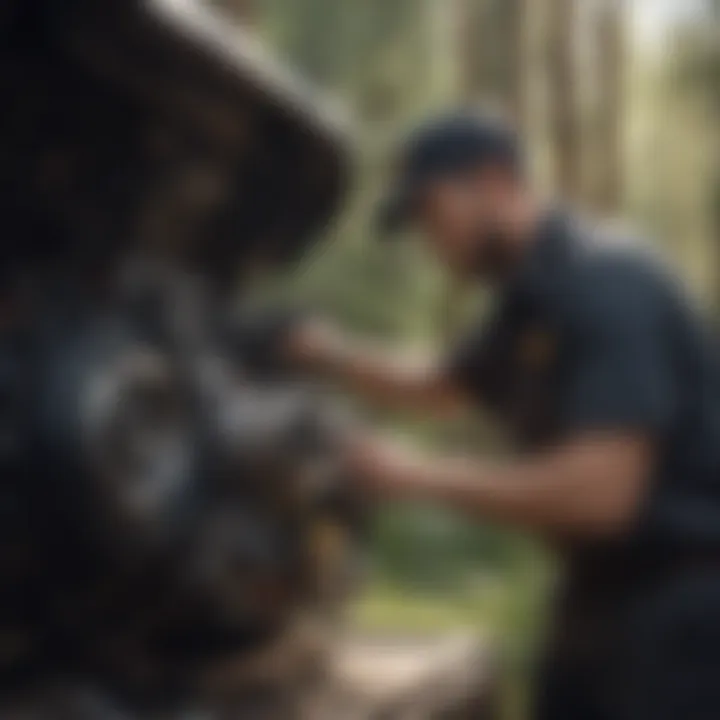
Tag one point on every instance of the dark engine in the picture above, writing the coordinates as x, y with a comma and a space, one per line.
166, 513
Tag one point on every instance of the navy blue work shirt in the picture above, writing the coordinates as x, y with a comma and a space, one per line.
595, 335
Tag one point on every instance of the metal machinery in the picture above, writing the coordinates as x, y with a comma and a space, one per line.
170, 522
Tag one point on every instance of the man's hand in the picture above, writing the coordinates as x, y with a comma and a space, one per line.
259, 337
385, 469
313, 343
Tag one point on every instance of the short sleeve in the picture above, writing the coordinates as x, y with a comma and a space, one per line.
620, 369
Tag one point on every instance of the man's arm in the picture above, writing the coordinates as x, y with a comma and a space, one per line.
591, 486
379, 376
616, 401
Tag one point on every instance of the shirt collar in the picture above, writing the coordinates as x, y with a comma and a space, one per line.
551, 242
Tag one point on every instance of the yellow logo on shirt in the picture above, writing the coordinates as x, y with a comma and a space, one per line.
537, 349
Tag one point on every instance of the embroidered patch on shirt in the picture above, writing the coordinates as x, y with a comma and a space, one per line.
536, 349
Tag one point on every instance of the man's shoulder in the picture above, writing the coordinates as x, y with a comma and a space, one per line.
609, 269
613, 248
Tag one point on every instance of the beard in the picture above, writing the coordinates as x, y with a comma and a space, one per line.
495, 255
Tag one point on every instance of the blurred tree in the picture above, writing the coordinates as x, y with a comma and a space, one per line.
673, 148
493, 48
612, 59
473, 51
711, 80
563, 101
514, 18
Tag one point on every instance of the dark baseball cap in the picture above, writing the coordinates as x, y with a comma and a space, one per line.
444, 146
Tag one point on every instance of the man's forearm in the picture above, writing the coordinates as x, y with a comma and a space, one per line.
391, 381
382, 377
509, 494
570, 492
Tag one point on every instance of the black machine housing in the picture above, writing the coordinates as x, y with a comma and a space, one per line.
156, 121
161, 508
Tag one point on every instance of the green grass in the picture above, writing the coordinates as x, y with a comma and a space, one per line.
387, 608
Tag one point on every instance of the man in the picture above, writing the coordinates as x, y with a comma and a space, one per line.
598, 364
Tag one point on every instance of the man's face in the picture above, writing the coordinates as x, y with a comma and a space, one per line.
467, 220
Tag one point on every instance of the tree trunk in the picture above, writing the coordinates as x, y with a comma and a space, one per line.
516, 22
470, 22
562, 19
611, 112
493, 49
